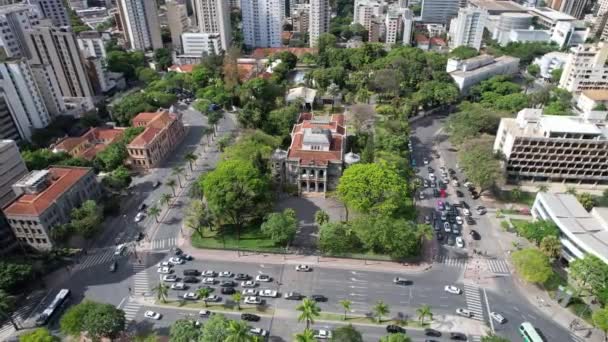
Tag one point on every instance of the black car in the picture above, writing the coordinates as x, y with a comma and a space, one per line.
470, 221
451, 218
451, 240
459, 193
250, 317
451, 171
464, 204
140, 236
475, 235
430, 169
142, 207
439, 236
113, 266
228, 290
475, 195
294, 296
241, 276
319, 298
432, 332
228, 283
458, 336
395, 329
190, 279
192, 273
176, 251
436, 193
156, 184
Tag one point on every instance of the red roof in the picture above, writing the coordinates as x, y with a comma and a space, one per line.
186, 68
265, 52
437, 41
338, 134
246, 71
154, 123
286, 35
95, 139
63, 178
420, 38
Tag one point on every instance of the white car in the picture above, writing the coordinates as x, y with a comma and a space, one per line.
468, 184
421, 195
119, 249
459, 242
140, 216
258, 332
268, 293
225, 274
455, 183
432, 177
204, 313
263, 277
178, 286
459, 220
152, 315
464, 312
208, 280
164, 270
452, 289
253, 300
303, 268
447, 227
164, 263
323, 334
213, 298
191, 295
249, 283
425, 161
170, 278
176, 261
497, 317
209, 273
466, 212
250, 292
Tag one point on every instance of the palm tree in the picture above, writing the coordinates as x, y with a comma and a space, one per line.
346, 306
306, 336
154, 211
178, 171
424, 312
238, 331
204, 292
171, 182
542, 188
165, 199
6, 306
237, 299
381, 309
162, 292
309, 310
190, 158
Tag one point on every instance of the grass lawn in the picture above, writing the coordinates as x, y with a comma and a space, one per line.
363, 256
217, 307
370, 320
518, 223
252, 239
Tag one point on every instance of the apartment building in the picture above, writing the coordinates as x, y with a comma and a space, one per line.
45, 199
213, 16
8, 127
408, 26
177, 17
469, 72
586, 68
262, 22
320, 15
300, 18
197, 44
89, 144
393, 27
548, 18
439, 11
371, 15
14, 21
580, 232
554, 148
467, 28
12, 168
54, 10
163, 132
139, 21
91, 44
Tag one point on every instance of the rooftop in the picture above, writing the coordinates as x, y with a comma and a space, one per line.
330, 127
94, 140
498, 6
531, 123
185, 68
498, 62
308, 94
596, 95
265, 52
551, 14
62, 179
154, 123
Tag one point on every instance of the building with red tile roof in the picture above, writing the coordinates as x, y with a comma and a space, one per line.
163, 132
46, 199
89, 144
182, 69
314, 161
260, 53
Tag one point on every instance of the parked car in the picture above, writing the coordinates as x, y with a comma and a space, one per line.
475, 235
263, 278
250, 292
156, 184
228, 290
459, 242
446, 227
395, 329
268, 293
432, 332
178, 286
322, 334
293, 295
451, 240
459, 193
190, 280
190, 296
214, 298
458, 336
241, 276
228, 283
204, 313
170, 278
140, 216
192, 272
176, 261
303, 268
249, 283
252, 300
250, 317
226, 274
452, 289
318, 298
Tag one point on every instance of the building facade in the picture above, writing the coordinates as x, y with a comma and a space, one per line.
408, 26
89, 144
200, 44
262, 22
8, 126
15, 20
320, 14
213, 16
510, 21
393, 27
554, 148
45, 200
469, 72
177, 17
54, 10
12, 168
439, 11
300, 18
467, 28
139, 20
586, 68
163, 132
91, 44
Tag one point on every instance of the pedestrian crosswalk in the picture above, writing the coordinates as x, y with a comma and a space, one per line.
446, 260
20, 315
131, 308
141, 286
95, 257
474, 302
164, 243
498, 266
475, 338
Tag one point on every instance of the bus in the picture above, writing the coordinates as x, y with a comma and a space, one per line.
529, 333
55, 305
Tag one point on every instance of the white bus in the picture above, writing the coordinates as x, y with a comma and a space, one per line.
529, 333
55, 305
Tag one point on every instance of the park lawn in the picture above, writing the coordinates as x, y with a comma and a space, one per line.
517, 223
370, 320
252, 239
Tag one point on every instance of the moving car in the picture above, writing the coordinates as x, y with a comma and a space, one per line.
225, 274
170, 278
402, 281
318, 298
119, 249
113, 266
452, 289
140, 216
178, 286
475, 235
156, 184
249, 283
152, 315
425, 161
458, 336
252, 300
263, 277
432, 332
241, 276
303, 268
250, 317
394, 329
176, 261
258, 332
268, 293
190, 296
497, 317
459, 242
464, 312
293, 295
481, 209
228, 290
204, 313
323, 334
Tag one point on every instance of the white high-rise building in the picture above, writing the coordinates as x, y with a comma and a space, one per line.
393, 26
586, 68
54, 10
602, 6
200, 44
408, 26
370, 14
213, 16
439, 11
319, 20
140, 24
177, 17
262, 22
15, 20
467, 28
91, 44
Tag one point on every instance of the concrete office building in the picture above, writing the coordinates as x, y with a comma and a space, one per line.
439, 11
554, 148
319, 20
8, 127
199, 44
547, 18
467, 28
580, 232
91, 44
54, 10
510, 21
12, 168
177, 18
469, 72
15, 20
551, 61
46, 199
262, 22
408, 26
139, 20
586, 68
392, 27
300, 18
575, 8
213, 16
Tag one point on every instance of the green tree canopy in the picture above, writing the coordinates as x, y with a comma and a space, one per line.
471, 121
87, 219
479, 163
591, 275
532, 265
184, 330
281, 227
215, 329
162, 57
118, 179
38, 335
346, 333
337, 238
463, 52
536, 231
400, 337
42, 158
96, 319
386, 235
14, 275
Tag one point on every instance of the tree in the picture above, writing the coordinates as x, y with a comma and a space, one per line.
237, 299
471, 121
172, 184
372, 188
532, 265
190, 158
591, 275
556, 75
551, 246
178, 171
423, 312
537, 230
533, 70
400, 337
147, 75
111, 157
309, 310
165, 199
306, 336
118, 179
479, 163
542, 188
162, 292
333, 90
600, 320
380, 309
97, 320
516, 193
6, 308
346, 306
162, 57
198, 217
87, 219
326, 41
346, 333
586, 200
321, 217
216, 329
463, 52
494, 338
13, 276
281, 227
337, 238
184, 330
281, 120
155, 212
204, 292
238, 331
42, 158
38, 335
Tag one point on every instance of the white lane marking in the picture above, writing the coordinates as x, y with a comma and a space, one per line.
488, 307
